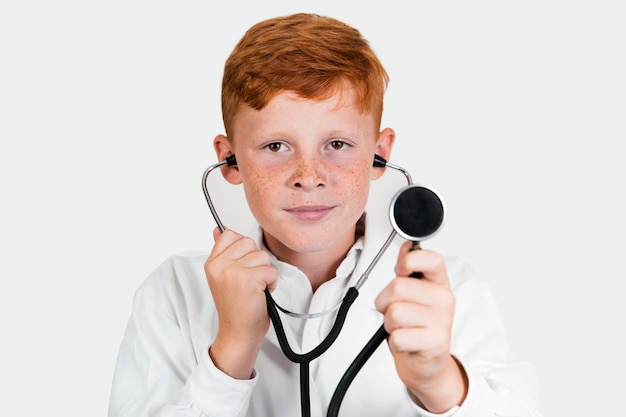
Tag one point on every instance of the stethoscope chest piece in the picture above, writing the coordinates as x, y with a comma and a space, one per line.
417, 212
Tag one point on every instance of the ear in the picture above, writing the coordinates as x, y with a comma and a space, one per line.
223, 149
386, 138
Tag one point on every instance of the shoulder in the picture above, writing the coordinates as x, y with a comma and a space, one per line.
178, 279
459, 270
464, 280
471, 290
177, 268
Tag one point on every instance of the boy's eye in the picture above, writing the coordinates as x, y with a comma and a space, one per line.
337, 144
274, 147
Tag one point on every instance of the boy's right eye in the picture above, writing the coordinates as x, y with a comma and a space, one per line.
274, 147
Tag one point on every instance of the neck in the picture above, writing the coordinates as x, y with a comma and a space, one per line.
319, 266
317, 272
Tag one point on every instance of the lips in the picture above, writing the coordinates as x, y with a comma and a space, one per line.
310, 213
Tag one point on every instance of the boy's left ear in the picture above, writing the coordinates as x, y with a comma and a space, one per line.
386, 138
223, 150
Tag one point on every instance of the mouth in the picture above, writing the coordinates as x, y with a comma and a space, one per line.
310, 213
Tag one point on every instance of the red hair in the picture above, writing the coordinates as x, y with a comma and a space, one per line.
310, 55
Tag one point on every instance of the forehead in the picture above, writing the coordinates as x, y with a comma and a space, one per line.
290, 110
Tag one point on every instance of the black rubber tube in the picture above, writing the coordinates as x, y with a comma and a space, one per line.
353, 370
305, 359
328, 340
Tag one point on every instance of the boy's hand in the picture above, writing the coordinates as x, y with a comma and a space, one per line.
238, 273
418, 317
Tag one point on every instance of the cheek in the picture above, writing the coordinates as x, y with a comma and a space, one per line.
259, 187
355, 184
256, 185
351, 183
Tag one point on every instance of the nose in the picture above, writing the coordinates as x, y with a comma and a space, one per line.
309, 173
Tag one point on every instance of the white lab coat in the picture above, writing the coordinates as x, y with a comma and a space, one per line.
163, 367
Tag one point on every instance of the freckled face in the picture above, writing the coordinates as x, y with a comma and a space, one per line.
306, 167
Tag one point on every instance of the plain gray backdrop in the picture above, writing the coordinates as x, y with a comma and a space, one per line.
514, 111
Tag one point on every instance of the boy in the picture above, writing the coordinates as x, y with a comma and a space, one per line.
302, 100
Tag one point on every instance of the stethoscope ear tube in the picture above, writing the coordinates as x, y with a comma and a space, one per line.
230, 161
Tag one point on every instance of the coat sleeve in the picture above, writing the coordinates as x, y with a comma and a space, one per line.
158, 371
498, 386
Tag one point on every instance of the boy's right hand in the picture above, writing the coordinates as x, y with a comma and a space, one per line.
238, 272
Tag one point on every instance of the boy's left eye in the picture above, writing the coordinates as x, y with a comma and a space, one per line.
337, 144
275, 147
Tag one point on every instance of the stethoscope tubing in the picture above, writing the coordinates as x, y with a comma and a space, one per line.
303, 359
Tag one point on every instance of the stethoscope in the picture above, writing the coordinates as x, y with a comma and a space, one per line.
416, 213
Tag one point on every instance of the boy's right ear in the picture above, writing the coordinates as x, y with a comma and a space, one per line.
224, 150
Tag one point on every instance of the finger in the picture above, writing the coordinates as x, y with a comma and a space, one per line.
233, 243
431, 264
222, 240
228, 248
258, 276
407, 340
267, 276
404, 289
403, 314
252, 259
257, 264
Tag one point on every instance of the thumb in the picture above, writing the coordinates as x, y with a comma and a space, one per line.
216, 233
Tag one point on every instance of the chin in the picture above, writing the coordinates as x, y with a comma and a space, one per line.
312, 241
309, 247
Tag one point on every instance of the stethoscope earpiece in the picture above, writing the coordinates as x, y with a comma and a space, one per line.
231, 160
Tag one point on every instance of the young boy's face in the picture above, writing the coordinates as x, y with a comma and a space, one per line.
306, 166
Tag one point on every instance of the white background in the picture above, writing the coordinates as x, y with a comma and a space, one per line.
514, 111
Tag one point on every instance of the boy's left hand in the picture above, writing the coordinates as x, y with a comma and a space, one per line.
418, 317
